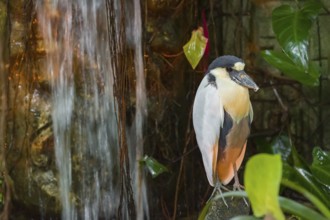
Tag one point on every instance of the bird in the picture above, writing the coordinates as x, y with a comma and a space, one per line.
222, 116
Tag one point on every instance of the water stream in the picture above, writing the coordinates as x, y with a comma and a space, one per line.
82, 70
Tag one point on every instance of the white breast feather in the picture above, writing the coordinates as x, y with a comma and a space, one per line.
208, 117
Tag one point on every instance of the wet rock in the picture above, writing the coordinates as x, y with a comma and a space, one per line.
47, 182
42, 143
219, 211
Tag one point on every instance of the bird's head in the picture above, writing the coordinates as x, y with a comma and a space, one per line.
233, 67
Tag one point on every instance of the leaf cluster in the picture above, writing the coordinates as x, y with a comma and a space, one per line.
265, 173
292, 26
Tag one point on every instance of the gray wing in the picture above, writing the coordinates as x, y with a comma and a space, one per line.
208, 115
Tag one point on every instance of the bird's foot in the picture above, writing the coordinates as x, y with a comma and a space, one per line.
238, 187
216, 189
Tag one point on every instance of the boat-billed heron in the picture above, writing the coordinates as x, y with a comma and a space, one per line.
222, 114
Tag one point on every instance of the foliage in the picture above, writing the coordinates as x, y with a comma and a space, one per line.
313, 199
292, 26
312, 178
153, 166
321, 166
278, 145
299, 210
262, 176
287, 205
299, 175
194, 49
298, 171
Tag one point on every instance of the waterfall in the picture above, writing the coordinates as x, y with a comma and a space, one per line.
59, 45
82, 68
141, 112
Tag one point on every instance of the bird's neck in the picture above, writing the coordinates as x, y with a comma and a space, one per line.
235, 99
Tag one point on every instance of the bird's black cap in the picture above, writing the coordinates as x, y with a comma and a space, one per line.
224, 62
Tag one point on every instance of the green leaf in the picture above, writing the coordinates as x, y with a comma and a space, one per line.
278, 145
302, 211
283, 62
321, 166
204, 211
309, 196
306, 180
292, 27
311, 9
195, 48
298, 161
154, 167
262, 182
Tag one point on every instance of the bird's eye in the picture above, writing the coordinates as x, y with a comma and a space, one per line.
229, 69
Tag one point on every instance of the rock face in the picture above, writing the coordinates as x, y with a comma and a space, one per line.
31, 164
34, 172
30, 142
64, 101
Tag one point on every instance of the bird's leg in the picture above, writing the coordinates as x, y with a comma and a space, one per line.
216, 189
237, 186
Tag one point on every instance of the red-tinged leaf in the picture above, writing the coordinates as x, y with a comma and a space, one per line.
195, 48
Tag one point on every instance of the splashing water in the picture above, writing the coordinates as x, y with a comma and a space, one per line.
82, 70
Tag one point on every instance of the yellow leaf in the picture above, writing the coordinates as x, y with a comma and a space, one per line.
194, 49
262, 179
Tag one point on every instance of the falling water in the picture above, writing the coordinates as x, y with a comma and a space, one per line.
59, 44
82, 68
135, 26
